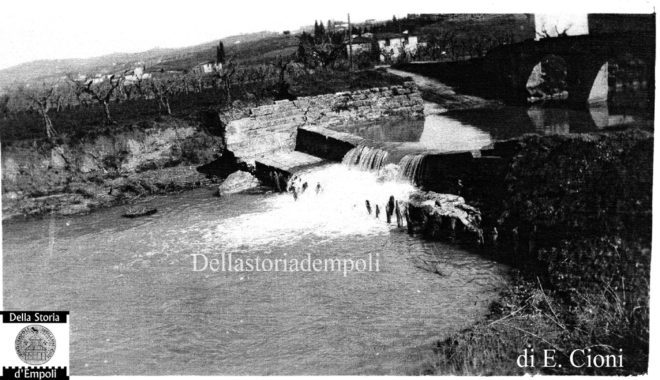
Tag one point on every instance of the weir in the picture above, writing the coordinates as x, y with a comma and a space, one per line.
411, 167
365, 157
276, 169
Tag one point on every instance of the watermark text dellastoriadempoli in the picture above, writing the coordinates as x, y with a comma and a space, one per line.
225, 262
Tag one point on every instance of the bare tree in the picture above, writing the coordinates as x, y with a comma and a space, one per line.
102, 92
162, 89
42, 99
563, 33
223, 74
196, 79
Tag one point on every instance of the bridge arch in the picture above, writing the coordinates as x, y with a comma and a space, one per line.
547, 77
589, 64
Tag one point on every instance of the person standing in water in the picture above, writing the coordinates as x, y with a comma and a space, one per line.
292, 184
397, 212
304, 187
368, 206
318, 187
377, 212
389, 209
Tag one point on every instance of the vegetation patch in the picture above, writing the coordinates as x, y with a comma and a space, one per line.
576, 221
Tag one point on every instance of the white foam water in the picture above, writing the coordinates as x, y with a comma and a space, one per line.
338, 209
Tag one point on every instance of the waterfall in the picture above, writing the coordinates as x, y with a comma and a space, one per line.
411, 167
366, 158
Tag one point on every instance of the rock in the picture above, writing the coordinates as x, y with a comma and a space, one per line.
442, 216
136, 212
57, 160
87, 163
237, 182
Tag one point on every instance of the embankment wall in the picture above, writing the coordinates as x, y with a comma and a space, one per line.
559, 200
274, 127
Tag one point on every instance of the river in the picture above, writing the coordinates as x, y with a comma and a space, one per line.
139, 308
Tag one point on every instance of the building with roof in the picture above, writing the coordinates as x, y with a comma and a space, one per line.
392, 45
359, 44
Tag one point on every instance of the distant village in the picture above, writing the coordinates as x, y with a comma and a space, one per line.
394, 41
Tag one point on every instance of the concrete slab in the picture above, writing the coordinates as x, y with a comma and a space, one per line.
290, 161
275, 169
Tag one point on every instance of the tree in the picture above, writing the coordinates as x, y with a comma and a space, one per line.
42, 100
304, 48
321, 30
162, 89
220, 53
375, 50
387, 54
196, 78
545, 34
282, 66
102, 92
4, 108
223, 77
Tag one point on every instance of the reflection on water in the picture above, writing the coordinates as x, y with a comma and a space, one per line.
396, 130
467, 128
138, 308
475, 128
508, 122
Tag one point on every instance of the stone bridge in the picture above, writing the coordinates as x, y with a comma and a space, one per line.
586, 60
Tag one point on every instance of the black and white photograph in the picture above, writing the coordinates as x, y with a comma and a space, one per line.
209, 188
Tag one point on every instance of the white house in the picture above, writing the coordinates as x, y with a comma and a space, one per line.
393, 45
138, 74
207, 67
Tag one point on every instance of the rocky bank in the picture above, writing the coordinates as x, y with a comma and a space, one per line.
77, 176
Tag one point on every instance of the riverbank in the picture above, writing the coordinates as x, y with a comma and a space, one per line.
78, 175
573, 214
84, 171
442, 89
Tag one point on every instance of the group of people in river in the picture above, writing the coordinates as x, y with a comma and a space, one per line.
297, 187
392, 208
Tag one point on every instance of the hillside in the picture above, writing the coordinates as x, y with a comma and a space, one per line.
264, 46
243, 51
519, 26
172, 58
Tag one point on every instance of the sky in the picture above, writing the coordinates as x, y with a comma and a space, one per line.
36, 29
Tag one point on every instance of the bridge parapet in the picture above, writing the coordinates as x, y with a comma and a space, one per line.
510, 66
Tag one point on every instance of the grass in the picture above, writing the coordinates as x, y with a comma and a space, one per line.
529, 316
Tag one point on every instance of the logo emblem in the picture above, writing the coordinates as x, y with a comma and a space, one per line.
35, 344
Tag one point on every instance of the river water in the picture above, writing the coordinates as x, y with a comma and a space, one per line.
468, 122
138, 306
